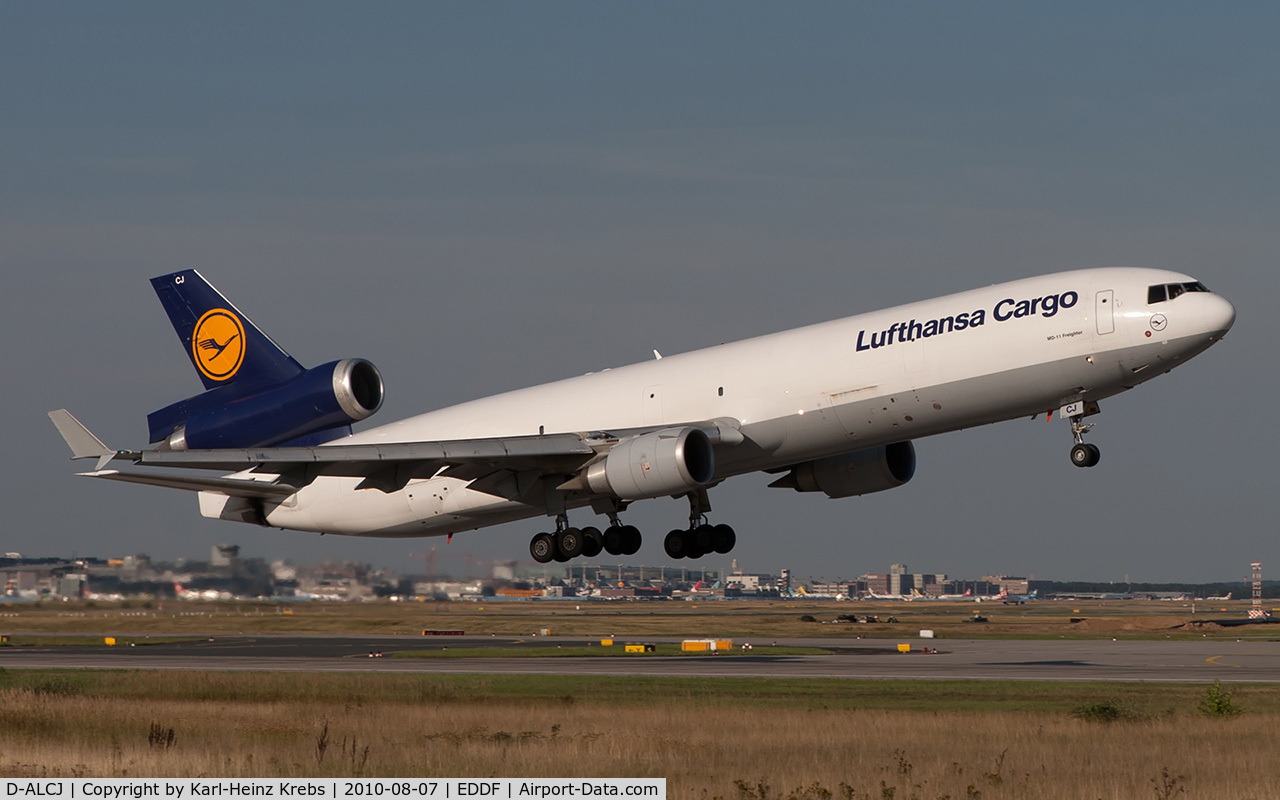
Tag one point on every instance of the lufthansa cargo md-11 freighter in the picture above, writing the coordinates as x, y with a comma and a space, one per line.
830, 408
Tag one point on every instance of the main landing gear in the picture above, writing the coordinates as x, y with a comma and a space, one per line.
701, 538
568, 543
1082, 453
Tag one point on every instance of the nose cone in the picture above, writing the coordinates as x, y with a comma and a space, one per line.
1219, 314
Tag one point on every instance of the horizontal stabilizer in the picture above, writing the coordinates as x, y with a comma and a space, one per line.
234, 487
80, 439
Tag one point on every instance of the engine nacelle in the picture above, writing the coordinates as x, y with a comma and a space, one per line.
666, 462
862, 472
324, 397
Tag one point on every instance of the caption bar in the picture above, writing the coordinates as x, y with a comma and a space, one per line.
343, 789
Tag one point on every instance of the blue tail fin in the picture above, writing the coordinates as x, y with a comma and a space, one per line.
224, 346
231, 355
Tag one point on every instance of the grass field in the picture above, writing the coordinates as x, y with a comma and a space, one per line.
743, 739
756, 620
731, 738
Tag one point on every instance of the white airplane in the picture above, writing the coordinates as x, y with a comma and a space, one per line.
1016, 599
833, 408
917, 595
906, 598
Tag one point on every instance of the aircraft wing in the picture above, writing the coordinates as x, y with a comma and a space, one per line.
388, 467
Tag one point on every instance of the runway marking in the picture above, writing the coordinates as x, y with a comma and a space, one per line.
1214, 661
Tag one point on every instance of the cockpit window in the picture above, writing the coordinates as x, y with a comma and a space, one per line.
1168, 291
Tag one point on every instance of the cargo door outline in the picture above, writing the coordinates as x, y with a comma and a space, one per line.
1103, 308
651, 405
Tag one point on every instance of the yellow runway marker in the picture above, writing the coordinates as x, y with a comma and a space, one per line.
1214, 661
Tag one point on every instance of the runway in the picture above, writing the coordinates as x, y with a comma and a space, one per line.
1091, 660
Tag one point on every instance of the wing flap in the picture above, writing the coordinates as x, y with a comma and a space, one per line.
550, 451
234, 487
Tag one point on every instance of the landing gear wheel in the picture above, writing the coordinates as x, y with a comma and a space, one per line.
632, 539
1085, 455
703, 538
676, 544
592, 542
569, 543
1095, 455
614, 540
723, 539
542, 548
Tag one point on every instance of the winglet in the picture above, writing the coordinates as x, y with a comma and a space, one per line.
80, 439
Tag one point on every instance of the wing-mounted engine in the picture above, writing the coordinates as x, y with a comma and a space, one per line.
319, 403
671, 461
862, 472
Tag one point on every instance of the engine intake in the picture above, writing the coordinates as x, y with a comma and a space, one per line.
861, 472
666, 462
326, 397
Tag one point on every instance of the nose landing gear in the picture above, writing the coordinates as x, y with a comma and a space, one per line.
1082, 453
1085, 455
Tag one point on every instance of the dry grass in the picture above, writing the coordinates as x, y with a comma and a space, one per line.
748, 741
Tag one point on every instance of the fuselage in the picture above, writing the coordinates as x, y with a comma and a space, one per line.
1005, 351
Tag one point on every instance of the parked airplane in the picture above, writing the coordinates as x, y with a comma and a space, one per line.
1016, 599
906, 598
918, 595
832, 408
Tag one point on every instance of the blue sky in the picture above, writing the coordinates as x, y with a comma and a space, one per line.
483, 196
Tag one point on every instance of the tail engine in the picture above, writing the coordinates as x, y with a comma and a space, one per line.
320, 403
